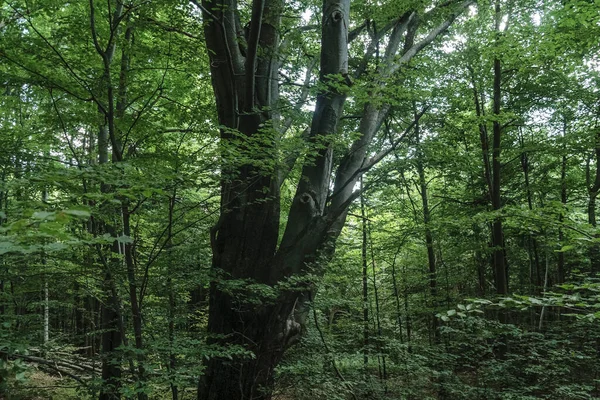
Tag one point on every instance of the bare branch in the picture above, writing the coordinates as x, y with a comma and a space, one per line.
303, 95
398, 25
353, 34
441, 28
375, 159
251, 54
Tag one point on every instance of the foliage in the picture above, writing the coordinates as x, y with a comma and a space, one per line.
89, 225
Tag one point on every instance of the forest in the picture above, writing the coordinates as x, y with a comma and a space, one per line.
299, 200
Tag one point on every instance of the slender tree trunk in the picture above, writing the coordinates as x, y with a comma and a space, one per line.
544, 290
487, 169
481, 264
381, 356
535, 273
500, 268
46, 312
110, 319
4, 270
365, 286
133, 299
432, 276
561, 217
406, 310
46, 301
172, 362
110, 341
397, 298
483, 134
113, 110
86, 312
594, 249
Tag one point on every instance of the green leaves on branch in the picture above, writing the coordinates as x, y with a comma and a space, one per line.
581, 301
45, 231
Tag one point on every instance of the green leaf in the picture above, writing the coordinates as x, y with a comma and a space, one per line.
566, 248
124, 239
78, 213
43, 215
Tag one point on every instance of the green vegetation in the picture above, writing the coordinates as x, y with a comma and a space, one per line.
299, 200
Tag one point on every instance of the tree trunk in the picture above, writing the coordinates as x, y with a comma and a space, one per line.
172, 361
111, 340
431, 263
593, 190
245, 238
244, 74
396, 293
136, 313
535, 271
365, 286
561, 217
500, 269
381, 354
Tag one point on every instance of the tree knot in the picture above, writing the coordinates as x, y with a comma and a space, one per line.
305, 198
308, 201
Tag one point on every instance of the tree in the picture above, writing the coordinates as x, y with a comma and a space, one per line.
115, 164
245, 241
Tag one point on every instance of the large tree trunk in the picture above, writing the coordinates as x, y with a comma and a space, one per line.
244, 74
245, 238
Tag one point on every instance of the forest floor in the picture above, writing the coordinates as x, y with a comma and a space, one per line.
39, 385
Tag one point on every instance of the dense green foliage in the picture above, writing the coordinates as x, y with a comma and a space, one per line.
408, 308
